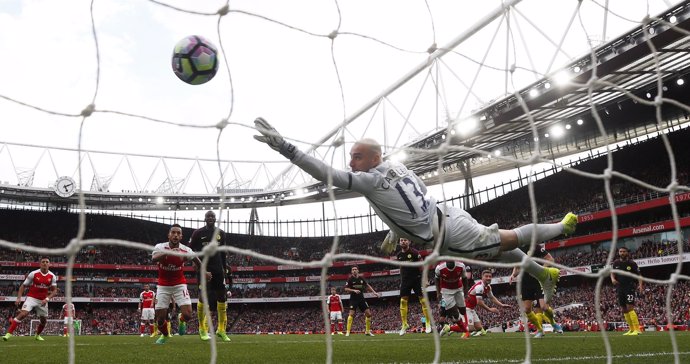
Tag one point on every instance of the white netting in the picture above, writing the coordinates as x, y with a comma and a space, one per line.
322, 68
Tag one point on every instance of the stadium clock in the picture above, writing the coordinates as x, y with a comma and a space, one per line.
65, 186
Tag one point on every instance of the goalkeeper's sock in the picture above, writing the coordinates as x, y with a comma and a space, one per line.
425, 312
13, 325
367, 324
540, 317
349, 324
548, 314
516, 255
222, 316
634, 321
543, 231
628, 321
201, 315
403, 311
534, 320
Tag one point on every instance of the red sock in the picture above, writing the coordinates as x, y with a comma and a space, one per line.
40, 328
340, 326
332, 327
13, 325
455, 328
64, 330
141, 328
150, 329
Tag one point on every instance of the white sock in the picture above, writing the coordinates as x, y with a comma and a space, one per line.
516, 255
544, 232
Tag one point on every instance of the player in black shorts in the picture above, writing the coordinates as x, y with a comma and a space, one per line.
625, 288
356, 286
410, 281
531, 292
220, 276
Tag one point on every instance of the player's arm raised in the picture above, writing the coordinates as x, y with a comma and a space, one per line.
358, 182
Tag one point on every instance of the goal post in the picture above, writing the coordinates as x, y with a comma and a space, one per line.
53, 327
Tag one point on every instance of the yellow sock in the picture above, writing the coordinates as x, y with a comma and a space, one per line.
534, 320
540, 317
169, 329
425, 312
403, 311
634, 321
222, 316
349, 324
155, 329
627, 320
201, 315
367, 324
548, 314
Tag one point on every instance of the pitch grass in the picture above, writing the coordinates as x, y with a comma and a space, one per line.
411, 348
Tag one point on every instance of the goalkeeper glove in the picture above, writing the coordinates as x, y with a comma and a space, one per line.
270, 136
390, 242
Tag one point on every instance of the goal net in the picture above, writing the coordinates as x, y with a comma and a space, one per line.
54, 327
461, 93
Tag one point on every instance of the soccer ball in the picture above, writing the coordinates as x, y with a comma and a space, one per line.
195, 60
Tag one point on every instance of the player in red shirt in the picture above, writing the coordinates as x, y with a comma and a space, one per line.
42, 285
475, 298
335, 307
451, 297
68, 313
146, 301
171, 281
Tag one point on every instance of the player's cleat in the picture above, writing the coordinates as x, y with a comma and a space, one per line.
427, 330
445, 330
539, 335
548, 280
465, 335
369, 333
628, 332
569, 223
635, 333
476, 333
161, 340
142, 335
332, 333
182, 328
347, 333
39, 338
222, 336
482, 333
404, 328
557, 328
155, 334
203, 335
6, 337
341, 333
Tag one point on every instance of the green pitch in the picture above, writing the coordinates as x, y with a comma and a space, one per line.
411, 348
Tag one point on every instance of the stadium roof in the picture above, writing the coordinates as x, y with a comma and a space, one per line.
625, 67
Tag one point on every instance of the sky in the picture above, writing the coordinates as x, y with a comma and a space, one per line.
278, 63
